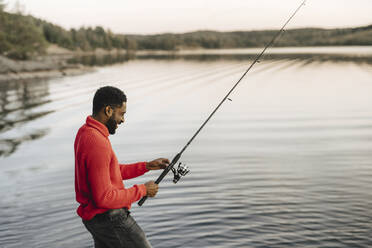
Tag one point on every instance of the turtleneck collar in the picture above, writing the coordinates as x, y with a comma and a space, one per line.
97, 125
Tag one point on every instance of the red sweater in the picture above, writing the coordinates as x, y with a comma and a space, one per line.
98, 175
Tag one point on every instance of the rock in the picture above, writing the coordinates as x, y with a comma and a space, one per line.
42, 67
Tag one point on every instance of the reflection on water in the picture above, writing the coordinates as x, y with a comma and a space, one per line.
307, 55
308, 58
287, 163
20, 103
8, 146
99, 60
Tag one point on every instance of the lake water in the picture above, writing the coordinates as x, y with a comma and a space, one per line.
286, 163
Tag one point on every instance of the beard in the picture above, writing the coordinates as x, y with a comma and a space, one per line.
111, 125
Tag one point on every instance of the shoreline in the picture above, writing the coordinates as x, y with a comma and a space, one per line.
44, 74
55, 62
42, 68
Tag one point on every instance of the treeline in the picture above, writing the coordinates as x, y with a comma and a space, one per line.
243, 39
22, 37
85, 39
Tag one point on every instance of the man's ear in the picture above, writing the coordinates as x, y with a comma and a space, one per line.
108, 111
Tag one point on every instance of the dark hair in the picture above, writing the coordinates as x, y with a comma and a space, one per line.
108, 96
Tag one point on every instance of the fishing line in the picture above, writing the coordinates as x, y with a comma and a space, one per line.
182, 170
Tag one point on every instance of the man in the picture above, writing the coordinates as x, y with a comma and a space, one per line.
104, 201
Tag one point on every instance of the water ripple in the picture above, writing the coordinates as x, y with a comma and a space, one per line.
279, 166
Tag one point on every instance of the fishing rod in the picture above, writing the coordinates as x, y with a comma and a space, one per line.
182, 170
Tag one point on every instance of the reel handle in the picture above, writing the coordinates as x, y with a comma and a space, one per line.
163, 174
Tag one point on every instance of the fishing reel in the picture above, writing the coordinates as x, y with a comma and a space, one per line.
181, 171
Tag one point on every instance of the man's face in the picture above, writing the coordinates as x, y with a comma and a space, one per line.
116, 118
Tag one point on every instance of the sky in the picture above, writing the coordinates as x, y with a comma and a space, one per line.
179, 16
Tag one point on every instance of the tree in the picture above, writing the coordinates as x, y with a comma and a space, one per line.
2, 5
19, 8
20, 38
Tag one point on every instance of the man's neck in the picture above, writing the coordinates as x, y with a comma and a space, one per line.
99, 118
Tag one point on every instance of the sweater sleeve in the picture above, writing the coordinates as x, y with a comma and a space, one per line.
103, 193
129, 171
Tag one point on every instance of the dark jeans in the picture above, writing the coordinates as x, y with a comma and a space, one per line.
116, 229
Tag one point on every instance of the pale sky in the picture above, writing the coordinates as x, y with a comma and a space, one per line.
178, 16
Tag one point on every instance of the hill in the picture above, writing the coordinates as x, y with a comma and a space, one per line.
22, 37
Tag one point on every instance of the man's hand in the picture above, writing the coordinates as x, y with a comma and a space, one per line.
151, 188
157, 164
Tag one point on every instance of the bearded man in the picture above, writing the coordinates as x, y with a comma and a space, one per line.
100, 191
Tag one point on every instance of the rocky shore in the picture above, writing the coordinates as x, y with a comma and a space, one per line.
42, 67
53, 64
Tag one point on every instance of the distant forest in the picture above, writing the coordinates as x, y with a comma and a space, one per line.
22, 37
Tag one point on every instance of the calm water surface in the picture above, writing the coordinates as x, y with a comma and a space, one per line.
286, 163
